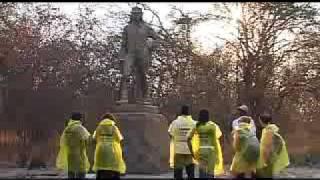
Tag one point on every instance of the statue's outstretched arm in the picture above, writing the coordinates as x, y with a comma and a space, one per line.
155, 36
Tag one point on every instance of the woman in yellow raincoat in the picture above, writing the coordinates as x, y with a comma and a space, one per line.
246, 146
72, 155
206, 146
108, 160
273, 151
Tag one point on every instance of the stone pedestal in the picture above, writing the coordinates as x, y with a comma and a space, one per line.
38, 158
146, 140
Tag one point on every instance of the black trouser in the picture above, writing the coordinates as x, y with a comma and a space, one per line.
106, 174
178, 172
76, 175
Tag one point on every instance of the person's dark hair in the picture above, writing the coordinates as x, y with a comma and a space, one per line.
266, 118
203, 117
185, 110
108, 116
76, 116
242, 112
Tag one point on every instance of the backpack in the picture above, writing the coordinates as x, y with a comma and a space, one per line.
251, 151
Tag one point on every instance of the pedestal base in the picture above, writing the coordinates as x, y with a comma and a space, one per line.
146, 140
125, 107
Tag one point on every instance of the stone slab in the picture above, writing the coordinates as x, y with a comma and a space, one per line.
135, 108
146, 141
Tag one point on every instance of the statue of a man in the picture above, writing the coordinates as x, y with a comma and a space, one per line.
135, 54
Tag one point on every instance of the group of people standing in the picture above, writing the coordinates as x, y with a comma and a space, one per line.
197, 143
108, 156
192, 143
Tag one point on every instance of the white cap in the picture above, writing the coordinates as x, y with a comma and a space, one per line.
243, 108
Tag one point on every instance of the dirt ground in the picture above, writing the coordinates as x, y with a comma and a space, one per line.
293, 172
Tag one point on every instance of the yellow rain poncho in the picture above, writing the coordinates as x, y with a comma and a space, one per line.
218, 168
72, 156
273, 152
207, 147
247, 150
108, 154
191, 123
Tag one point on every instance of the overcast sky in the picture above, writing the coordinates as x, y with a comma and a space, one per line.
203, 35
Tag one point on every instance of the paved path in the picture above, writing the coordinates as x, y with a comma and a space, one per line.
299, 172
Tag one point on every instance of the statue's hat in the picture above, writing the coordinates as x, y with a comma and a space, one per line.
136, 10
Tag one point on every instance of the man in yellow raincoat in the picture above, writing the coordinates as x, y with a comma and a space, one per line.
108, 159
72, 155
180, 154
246, 146
243, 110
207, 149
273, 151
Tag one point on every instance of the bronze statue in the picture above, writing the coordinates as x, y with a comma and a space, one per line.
135, 55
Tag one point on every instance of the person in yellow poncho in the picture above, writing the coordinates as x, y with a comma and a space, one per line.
72, 155
273, 151
108, 158
180, 154
246, 146
207, 151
